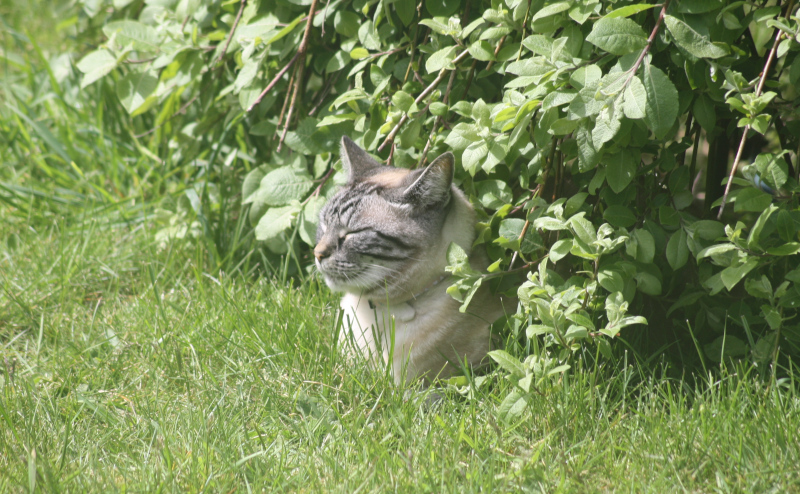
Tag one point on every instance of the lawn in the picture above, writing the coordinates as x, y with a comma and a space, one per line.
129, 362
127, 368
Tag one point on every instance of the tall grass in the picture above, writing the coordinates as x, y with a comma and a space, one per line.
126, 368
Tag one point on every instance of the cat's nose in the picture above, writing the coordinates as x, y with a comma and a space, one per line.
321, 251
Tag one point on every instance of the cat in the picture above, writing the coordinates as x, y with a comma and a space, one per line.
382, 239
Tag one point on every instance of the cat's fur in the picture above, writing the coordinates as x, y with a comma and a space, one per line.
382, 239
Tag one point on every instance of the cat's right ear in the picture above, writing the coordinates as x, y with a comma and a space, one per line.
358, 164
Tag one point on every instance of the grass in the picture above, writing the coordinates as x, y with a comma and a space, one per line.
128, 369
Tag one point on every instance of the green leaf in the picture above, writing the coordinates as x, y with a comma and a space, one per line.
611, 280
508, 363
759, 288
134, 89
583, 228
441, 8
619, 216
560, 249
357, 53
646, 249
405, 11
441, 59
707, 229
493, 194
347, 23
755, 232
252, 181
512, 406
635, 99
677, 250
275, 221
95, 65
787, 229
692, 41
472, 156
773, 169
588, 157
481, 50
715, 250
647, 283
310, 219
751, 199
705, 112
787, 249
281, 186
140, 36
662, 101
617, 36
628, 10
732, 275
402, 100
368, 36
733, 347
550, 10
620, 170
606, 126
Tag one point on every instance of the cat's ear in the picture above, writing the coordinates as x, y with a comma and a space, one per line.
432, 186
357, 162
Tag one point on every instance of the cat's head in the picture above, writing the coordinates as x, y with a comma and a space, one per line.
381, 224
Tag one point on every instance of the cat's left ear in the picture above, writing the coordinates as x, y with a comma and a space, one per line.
432, 186
357, 163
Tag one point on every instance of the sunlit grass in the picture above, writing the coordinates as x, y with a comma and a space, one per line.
127, 368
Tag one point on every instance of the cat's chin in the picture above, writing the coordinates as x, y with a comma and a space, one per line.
348, 286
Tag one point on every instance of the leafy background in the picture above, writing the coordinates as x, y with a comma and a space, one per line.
596, 139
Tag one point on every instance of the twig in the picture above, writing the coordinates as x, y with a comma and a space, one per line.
760, 87
287, 98
496, 51
274, 81
470, 76
300, 69
536, 192
233, 30
419, 99
646, 49
298, 79
437, 120
327, 89
322, 183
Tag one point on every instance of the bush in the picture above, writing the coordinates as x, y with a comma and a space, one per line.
594, 136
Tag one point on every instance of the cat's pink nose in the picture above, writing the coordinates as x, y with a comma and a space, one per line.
321, 251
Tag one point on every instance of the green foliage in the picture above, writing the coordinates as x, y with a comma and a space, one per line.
580, 131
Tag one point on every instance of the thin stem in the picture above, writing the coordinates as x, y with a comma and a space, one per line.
760, 87
274, 81
438, 120
650, 40
419, 99
233, 30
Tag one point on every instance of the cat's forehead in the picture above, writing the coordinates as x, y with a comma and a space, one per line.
389, 177
364, 203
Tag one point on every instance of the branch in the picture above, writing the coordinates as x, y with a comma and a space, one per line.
233, 30
274, 81
760, 87
650, 40
419, 99
301, 54
438, 120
